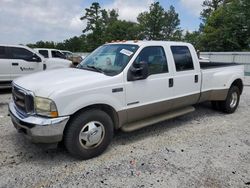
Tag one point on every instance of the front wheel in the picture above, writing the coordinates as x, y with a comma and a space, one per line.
232, 101
88, 134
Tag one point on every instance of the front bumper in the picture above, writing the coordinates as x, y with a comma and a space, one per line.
38, 129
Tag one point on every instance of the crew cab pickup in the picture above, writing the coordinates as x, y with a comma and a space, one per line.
123, 85
53, 55
50, 53
19, 60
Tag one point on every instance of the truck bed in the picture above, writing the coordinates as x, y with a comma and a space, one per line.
211, 65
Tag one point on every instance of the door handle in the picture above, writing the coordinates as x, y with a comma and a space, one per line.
171, 82
15, 64
196, 78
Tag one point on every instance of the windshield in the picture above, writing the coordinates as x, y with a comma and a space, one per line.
109, 59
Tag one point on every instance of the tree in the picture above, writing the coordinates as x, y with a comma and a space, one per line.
171, 27
74, 44
227, 28
122, 30
158, 24
93, 16
109, 16
151, 23
193, 38
42, 44
210, 6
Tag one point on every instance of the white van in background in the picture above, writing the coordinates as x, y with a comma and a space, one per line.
19, 60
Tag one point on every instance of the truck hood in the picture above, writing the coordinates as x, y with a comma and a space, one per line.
45, 83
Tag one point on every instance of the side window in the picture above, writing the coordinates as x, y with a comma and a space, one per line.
20, 53
57, 54
156, 59
182, 57
45, 53
69, 55
3, 54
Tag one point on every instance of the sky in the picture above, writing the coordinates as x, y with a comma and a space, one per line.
29, 21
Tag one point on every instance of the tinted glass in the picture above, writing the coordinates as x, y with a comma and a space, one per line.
156, 59
3, 54
45, 53
182, 57
57, 54
21, 53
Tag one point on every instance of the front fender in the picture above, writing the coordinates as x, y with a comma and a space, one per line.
75, 104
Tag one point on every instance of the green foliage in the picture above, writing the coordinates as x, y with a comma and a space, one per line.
210, 6
193, 38
74, 44
93, 16
159, 24
95, 25
121, 30
104, 26
171, 27
42, 44
151, 23
227, 28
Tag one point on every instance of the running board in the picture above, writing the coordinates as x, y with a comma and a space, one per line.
156, 119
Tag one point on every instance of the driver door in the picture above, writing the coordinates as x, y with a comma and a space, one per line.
150, 96
22, 63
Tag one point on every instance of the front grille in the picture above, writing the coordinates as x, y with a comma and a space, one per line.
23, 100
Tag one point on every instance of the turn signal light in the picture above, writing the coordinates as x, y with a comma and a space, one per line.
54, 114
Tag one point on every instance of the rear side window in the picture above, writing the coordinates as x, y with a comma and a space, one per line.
57, 54
182, 57
45, 53
155, 57
20, 53
3, 54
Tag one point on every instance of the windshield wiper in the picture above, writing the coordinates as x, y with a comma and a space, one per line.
96, 68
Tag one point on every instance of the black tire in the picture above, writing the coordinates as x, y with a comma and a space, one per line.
226, 106
77, 147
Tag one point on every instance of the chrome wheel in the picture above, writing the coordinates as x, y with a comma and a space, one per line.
91, 134
234, 100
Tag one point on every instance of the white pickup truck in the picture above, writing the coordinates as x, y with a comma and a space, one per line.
53, 55
19, 60
50, 53
123, 85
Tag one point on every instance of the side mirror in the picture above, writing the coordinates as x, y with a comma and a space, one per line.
36, 58
138, 71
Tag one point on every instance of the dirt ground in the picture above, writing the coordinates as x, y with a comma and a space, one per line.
205, 148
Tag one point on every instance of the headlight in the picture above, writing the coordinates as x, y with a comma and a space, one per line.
45, 107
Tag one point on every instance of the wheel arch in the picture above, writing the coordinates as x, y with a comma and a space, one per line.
238, 83
104, 107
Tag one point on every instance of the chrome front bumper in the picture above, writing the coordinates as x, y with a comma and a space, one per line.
38, 129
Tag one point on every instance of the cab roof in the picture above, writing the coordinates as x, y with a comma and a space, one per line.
148, 43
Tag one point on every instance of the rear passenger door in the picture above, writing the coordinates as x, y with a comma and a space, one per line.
5, 68
187, 77
22, 62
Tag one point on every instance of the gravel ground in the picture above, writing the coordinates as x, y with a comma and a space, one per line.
205, 148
